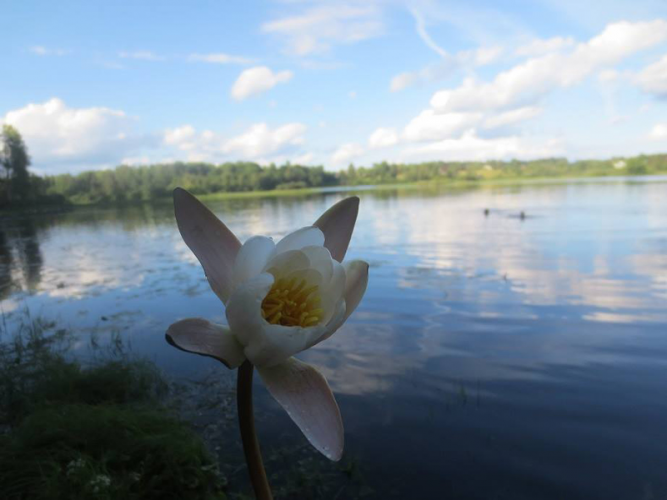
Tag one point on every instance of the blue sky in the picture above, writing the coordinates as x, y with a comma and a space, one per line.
94, 84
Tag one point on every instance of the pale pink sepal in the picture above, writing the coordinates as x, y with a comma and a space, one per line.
202, 337
305, 394
209, 239
337, 224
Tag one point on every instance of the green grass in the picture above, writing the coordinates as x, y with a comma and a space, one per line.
52, 380
437, 182
105, 451
274, 193
108, 430
456, 183
69, 431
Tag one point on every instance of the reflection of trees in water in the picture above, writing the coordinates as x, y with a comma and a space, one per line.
30, 255
20, 257
5, 266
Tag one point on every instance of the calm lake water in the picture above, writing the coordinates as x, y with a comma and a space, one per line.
492, 356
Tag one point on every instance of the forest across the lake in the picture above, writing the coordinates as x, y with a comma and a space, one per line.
144, 183
128, 184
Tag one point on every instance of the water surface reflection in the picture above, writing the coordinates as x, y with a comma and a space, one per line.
493, 356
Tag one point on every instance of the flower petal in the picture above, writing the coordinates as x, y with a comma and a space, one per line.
207, 339
304, 237
333, 292
283, 264
356, 272
244, 309
320, 259
306, 397
252, 257
336, 321
337, 224
271, 345
265, 344
209, 239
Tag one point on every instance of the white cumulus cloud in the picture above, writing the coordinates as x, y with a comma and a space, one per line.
471, 147
181, 137
653, 78
63, 138
541, 46
432, 126
527, 82
259, 142
383, 138
512, 117
346, 152
608, 75
659, 132
257, 80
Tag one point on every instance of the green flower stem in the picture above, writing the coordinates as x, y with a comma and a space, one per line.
253, 455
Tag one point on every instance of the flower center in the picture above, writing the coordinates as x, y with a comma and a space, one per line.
291, 303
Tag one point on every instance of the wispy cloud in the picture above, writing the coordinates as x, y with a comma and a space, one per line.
110, 65
220, 58
423, 34
40, 50
483, 23
465, 59
142, 55
318, 29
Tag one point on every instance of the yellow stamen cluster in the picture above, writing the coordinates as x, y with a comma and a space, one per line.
290, 302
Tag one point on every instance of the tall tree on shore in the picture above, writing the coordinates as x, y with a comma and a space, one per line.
15, 160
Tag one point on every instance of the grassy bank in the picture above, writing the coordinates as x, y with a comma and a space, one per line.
433, 183
73, 431
114, 427
440, 184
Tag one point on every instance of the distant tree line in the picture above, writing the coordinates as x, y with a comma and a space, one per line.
135, 184
384, 172
131, 184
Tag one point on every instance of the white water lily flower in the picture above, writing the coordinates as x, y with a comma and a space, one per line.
281, 298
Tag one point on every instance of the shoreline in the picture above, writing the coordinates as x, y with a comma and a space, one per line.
433, 183
280, 193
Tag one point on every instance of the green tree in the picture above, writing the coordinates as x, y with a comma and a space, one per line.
15, 160
637, 165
